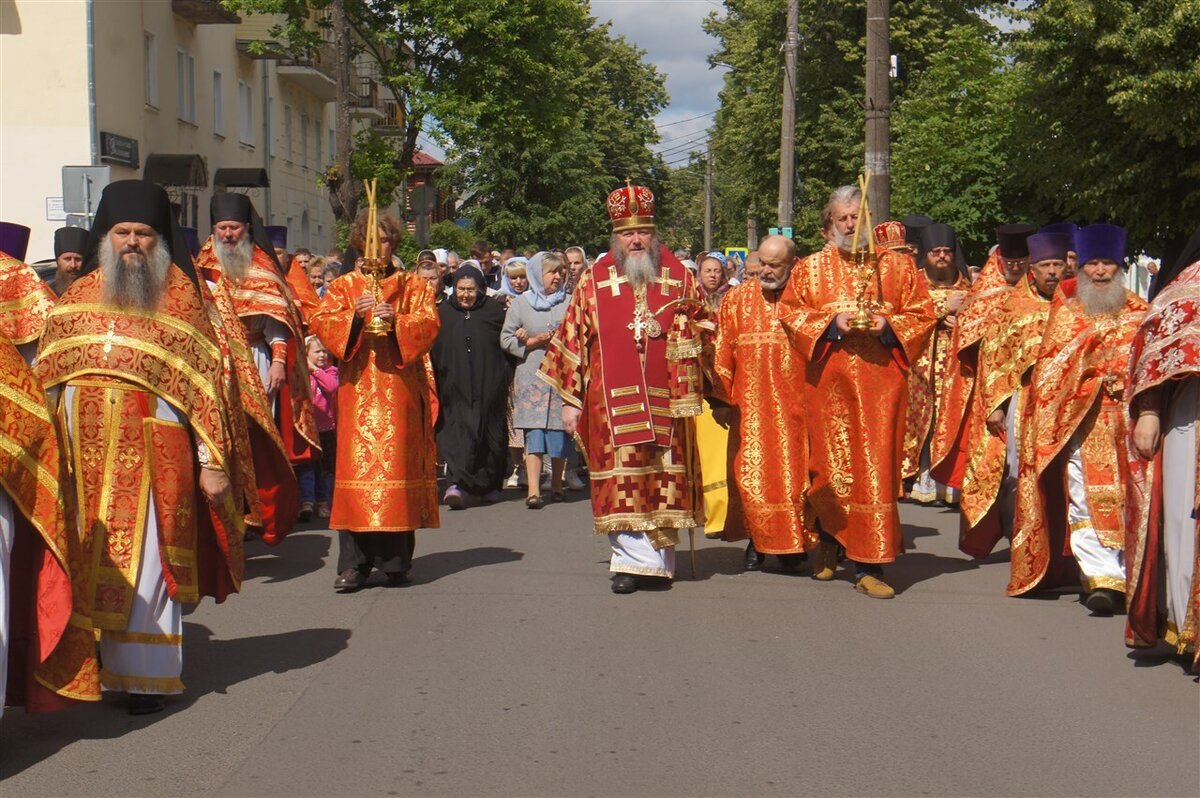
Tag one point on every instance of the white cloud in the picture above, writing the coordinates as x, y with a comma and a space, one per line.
670, 32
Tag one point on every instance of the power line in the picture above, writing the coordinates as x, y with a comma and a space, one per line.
699, 141
681, 121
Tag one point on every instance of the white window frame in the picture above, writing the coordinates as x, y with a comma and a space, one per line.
317, 129
304, 141
245, 113
218, 104
287, 133
150, 68
185, 86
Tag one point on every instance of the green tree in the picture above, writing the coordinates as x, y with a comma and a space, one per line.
829, 92
1110, 93
951, 136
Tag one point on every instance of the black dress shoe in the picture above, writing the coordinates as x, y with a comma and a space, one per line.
349, 580
754, 560
790, 563
398, 579
1103, 601
143, 704
624, 583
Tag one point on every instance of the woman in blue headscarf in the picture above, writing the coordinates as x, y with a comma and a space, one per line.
533, 317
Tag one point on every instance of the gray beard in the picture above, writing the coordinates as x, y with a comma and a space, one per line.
639, 268
235, 258
133, 280
769, 285
1100, 300
845, 241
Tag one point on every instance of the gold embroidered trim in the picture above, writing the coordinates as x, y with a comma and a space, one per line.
645, 522
625, 410
165, 319
661, 393
143, 638
628, 390
1091, 583
621, 429
159, 685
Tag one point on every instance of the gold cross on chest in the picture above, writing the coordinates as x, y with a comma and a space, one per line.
614, 282
109, 338
667, 283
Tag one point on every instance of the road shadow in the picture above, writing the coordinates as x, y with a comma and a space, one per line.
912, 532
916, 567
210, 666
1160, 655
440, 564
723, 560
299, 554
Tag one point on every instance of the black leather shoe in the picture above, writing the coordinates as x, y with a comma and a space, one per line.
754, 560
790, 563
143, 704
399, 579
349, 580
624, 583
1103, 601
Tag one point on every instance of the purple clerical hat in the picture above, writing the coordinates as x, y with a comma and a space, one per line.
1011, 238
1048, 246
192, 236
278, 235
1101, 242
14, 239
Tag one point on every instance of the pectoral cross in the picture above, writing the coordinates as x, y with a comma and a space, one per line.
666, 283
614, 283
643, 320
110, 337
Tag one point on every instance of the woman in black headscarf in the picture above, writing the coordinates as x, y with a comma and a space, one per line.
473, 376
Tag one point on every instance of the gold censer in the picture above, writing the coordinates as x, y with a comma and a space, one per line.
866, 263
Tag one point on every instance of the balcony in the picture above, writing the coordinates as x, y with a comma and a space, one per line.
315, 72
365, 104
204, 12
392, 121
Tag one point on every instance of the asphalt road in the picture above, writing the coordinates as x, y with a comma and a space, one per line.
508, 668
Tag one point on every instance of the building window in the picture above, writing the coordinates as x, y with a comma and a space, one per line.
185, 87
150, 68
304, 140
218, 105
287, 133
245, 113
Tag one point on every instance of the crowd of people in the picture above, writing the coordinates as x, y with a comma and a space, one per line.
165, 398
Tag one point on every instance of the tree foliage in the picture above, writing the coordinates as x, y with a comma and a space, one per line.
541, 110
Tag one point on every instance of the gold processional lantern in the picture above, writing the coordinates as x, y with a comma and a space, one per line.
866, 262
374, 265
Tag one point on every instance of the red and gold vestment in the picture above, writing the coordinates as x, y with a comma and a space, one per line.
120, 363
759, 372
636, 430
928, 375
1166, 350
959, 410
52, 648
1077, 389
25, 301
1006, 359
386, 477
264, 292
303, 293
856, 392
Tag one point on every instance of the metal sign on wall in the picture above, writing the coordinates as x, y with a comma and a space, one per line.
120, 150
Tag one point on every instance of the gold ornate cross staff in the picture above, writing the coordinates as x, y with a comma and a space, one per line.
374, 266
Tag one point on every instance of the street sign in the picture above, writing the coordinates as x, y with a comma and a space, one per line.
787, 232
82, 186
774, 231
55, 212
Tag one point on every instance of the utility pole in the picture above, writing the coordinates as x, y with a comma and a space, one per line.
879, 110
751, 233
708, 200
787, 127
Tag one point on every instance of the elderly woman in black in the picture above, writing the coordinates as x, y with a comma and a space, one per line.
473, 377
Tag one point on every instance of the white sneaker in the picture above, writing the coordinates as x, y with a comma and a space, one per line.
513, 480
573, 481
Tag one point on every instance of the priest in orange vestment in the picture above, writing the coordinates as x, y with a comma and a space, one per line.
1162, 548
760, 375
959, 414
856, 391
44, 656
25, 300
134, 369
385, 486
1006, 358
628, 351
238, 260
927, 378
1070, 515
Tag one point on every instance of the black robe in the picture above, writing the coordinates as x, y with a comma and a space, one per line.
473, 377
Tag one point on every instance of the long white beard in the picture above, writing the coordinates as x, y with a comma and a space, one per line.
235, 258
640, 269
131, 279
1100, 300
845, 241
